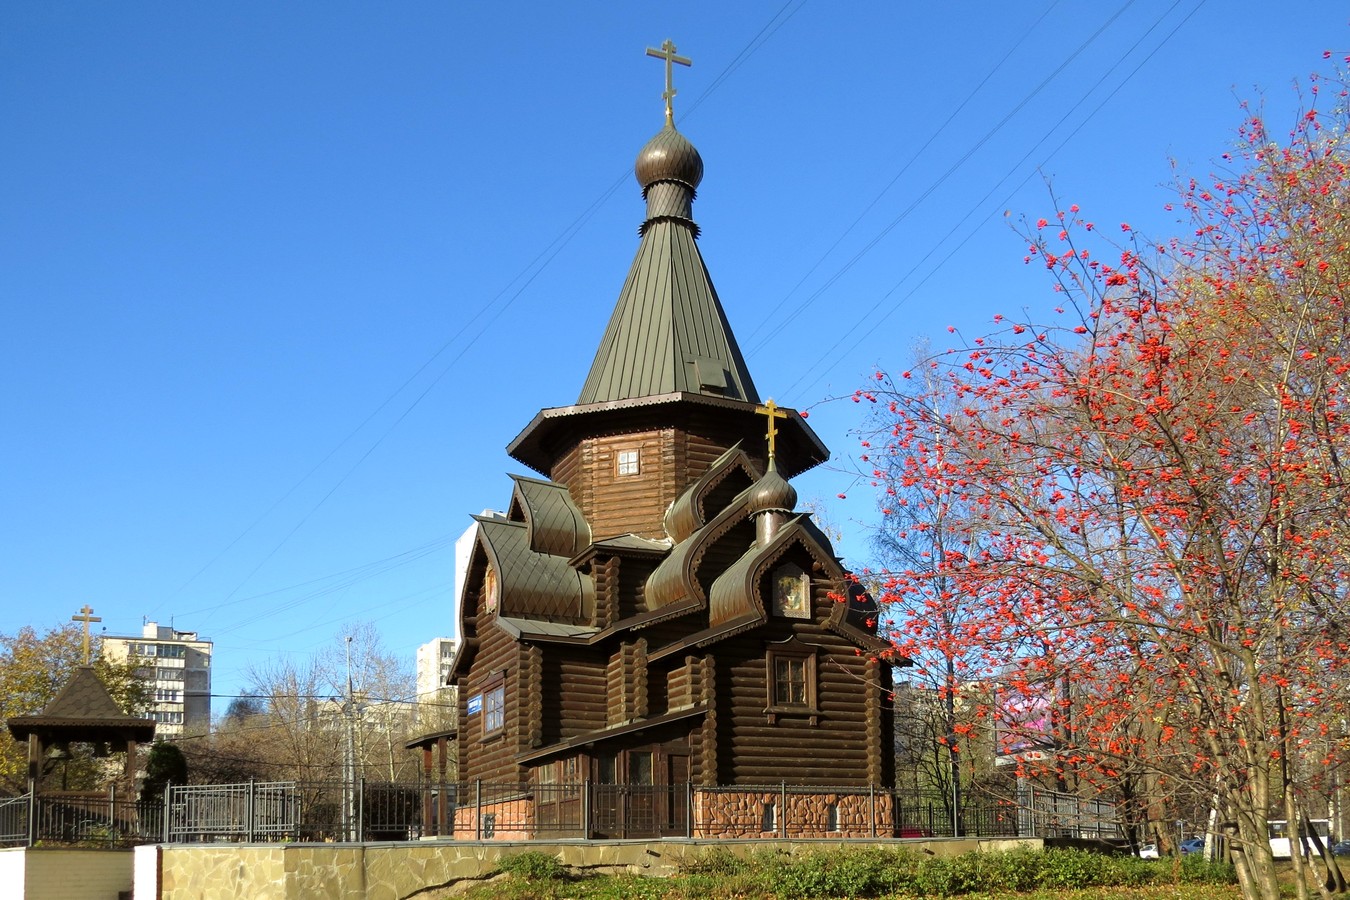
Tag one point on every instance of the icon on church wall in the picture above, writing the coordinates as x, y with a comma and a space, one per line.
791, 593
490, 589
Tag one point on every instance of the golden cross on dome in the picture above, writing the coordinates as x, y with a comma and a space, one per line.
667, 52
772, 411
86, 618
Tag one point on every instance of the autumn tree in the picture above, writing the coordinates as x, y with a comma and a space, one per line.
1143, 494
33, 669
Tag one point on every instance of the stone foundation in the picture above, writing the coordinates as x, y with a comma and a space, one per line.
505, 820
400, 870
760, 814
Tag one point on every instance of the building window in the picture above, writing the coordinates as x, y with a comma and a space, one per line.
791, 592
494, 707
789, 681
832, 817
629, 462
769, 817
791, 675
169, 674
489, 825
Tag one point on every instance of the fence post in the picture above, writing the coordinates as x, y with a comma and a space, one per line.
586, 808
168, 809
782, 810
872, 804
478, 809
689, 809
361, 809
250, 811
32, 814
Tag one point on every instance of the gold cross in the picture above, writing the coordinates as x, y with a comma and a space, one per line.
86, 619
667, 52
772, 411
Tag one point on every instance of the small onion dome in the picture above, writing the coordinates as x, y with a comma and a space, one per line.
772, 492
668, 157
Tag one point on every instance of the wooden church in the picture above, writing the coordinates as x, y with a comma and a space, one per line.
653, 635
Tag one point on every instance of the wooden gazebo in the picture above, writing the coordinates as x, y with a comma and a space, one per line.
83, 712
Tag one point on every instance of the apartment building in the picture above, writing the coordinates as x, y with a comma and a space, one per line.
435, 708
178, 666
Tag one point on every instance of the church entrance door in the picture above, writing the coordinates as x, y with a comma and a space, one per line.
641, 793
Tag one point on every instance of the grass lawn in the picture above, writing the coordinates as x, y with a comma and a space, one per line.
622, 887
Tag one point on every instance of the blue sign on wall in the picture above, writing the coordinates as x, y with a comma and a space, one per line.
475, 704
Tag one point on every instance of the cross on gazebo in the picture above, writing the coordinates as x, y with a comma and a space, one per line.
667, 52
771, 411
86, 618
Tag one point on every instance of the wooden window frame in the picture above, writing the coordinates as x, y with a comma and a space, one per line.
776, 707
495, 685
628, 467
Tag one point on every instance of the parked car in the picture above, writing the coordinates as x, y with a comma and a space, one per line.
1341, 848
1148, 851
1192, 845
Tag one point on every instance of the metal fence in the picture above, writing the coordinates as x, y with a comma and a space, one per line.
384, 811
80, 820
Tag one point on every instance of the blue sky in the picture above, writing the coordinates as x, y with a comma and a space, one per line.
281, 281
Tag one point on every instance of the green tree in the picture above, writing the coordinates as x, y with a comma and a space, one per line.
165, 765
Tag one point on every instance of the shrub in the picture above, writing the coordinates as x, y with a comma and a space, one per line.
532, 866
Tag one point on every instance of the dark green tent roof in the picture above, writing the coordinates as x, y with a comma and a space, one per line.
668, 333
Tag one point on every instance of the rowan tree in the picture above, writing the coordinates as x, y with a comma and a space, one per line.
1142, 495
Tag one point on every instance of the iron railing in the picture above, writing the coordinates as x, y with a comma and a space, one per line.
81, 820
392, 811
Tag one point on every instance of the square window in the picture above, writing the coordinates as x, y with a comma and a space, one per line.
629, 462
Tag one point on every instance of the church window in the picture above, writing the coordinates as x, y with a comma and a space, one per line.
629, 462
789, 681
494, 706
791, 592
792, 682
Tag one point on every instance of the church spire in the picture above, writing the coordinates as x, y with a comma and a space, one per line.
668, 333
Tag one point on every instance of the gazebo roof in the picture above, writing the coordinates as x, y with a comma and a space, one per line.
83, 710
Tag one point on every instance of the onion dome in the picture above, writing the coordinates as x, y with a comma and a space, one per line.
669, 169
668, 157
772, 492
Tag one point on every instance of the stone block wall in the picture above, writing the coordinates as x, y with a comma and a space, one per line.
758, 814
400, 870
512, 820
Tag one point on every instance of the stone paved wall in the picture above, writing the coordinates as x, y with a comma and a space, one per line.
398, 871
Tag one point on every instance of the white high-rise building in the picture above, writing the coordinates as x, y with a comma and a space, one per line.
177, 664
436, 700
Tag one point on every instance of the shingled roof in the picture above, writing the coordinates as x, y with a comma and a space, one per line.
83, 710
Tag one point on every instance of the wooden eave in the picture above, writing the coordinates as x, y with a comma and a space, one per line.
538, 631
606, 734
625, 546
82, 710
424, 741
552, 432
